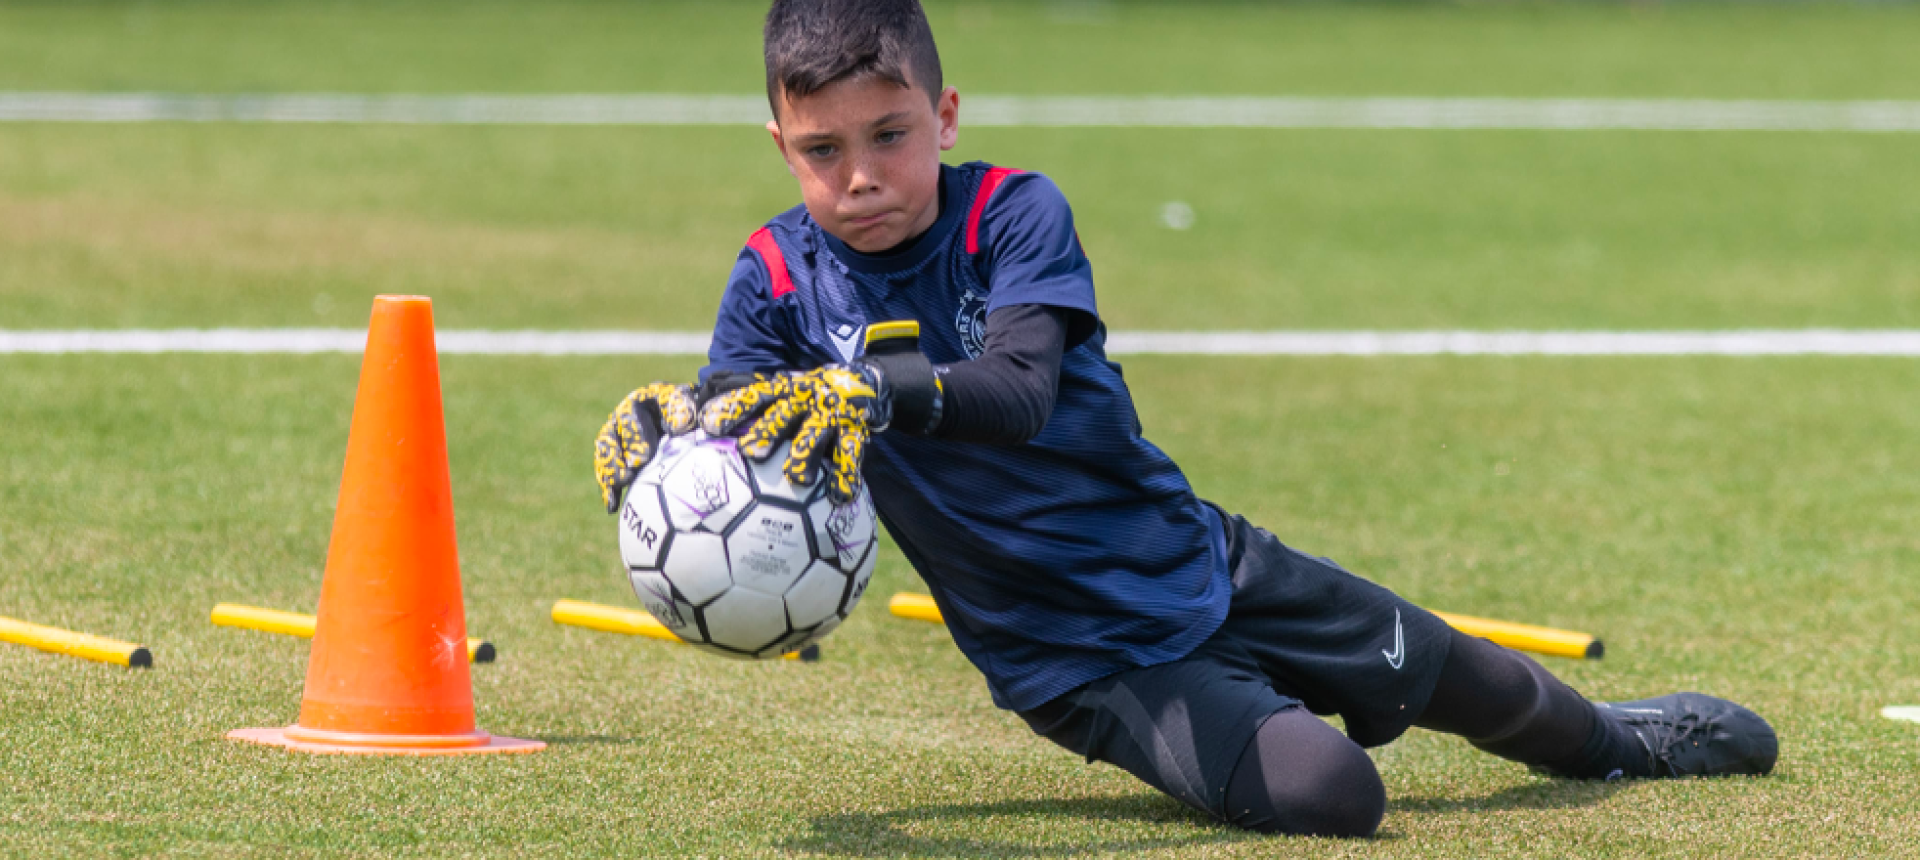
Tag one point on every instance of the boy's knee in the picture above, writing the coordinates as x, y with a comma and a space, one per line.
1339, 795
1301, 777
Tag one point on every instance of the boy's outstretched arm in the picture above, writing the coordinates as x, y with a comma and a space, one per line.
1006, 395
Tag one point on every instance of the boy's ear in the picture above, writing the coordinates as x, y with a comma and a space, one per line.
947, 109
773, 128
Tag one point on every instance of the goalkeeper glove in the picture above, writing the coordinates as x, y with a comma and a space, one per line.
632, 434
832, 411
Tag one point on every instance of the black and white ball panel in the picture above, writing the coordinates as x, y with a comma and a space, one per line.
734, 558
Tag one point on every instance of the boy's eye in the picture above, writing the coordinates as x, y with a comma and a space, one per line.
822, 151
889, 136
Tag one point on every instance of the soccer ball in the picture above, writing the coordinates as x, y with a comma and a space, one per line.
734, 558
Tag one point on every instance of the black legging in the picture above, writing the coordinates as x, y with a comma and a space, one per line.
1505, 703
1301, 776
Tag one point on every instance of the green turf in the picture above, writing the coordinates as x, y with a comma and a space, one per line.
172, 225
1737, 526
1721, 50
637, 228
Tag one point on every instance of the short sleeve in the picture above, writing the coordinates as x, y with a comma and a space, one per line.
746, 337
1031, 254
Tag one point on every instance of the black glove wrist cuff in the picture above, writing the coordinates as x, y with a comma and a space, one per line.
720, 383
914, 395
911, 389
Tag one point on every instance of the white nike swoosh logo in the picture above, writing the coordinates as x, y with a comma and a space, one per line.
846, 345
1398, 655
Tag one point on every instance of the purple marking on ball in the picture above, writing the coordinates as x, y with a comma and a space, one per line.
840, 525
708, 490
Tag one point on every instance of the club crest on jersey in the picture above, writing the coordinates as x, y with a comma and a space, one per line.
971, 321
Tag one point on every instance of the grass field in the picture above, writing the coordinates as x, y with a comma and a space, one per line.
1739, 526
597, 228
1709, 50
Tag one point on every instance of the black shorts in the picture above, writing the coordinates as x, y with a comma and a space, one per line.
1301, 631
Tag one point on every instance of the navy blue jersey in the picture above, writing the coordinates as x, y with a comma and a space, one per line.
1080, 553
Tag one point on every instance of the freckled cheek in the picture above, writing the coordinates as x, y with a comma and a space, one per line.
915, 168
822, 191
902, 167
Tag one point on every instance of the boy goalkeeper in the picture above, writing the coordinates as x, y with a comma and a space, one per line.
932, 330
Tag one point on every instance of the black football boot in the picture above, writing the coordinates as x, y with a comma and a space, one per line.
1693, 734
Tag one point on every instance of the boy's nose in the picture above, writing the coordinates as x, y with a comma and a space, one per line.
863, 181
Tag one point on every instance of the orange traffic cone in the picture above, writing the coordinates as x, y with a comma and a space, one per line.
388, 671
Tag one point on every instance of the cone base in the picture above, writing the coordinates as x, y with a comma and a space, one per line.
398, 746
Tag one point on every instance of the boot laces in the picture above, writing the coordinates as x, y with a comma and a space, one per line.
1665, 737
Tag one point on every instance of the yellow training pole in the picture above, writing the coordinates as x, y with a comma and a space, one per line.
1527, 637
301, 624
634, 622
1519, 637
74, 644
268, 620
612, 619
919, 607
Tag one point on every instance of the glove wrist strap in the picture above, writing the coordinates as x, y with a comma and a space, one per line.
915, 397
912, 390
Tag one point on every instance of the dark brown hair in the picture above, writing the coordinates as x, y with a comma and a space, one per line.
812, 43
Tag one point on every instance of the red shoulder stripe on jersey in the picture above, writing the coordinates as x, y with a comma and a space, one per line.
762, 243
987, 185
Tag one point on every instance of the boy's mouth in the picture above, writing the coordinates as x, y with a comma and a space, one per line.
869, 220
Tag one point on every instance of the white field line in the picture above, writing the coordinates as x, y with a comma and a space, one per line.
1902, 342
1055, 111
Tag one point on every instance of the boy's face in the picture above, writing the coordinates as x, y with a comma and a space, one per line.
867, 154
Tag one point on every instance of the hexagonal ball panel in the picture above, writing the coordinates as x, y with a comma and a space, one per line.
771, 482
707, 487
656, 594
697, 566
860, 579
643, 527
842, 533
670, 450
816, 597
746, 620
769, 549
